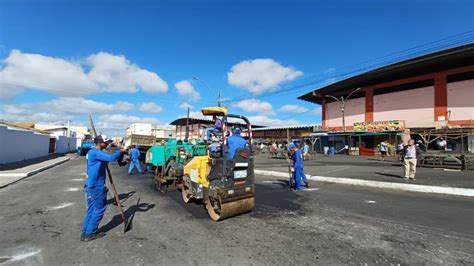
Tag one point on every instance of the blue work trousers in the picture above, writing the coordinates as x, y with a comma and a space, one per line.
134, 164
96, 203
298, 174
209, 132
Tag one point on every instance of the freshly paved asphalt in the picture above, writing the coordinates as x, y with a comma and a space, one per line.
41, 217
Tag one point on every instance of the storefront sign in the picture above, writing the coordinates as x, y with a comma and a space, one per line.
379, 126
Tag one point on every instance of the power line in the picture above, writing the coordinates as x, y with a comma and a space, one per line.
451, 41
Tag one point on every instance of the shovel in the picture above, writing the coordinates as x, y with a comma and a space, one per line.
117, 200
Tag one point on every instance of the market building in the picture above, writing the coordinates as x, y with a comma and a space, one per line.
428, 98
197, 127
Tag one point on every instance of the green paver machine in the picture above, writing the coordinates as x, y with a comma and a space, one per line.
169, 160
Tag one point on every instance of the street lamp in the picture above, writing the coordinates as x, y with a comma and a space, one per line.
219, 101
343, 102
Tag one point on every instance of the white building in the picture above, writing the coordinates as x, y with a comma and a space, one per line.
79, 132
164, 133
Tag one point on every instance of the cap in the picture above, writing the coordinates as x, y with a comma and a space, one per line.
102, 138
292, 145
236, 130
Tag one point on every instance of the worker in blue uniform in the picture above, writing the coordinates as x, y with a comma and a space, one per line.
95, 188
298, 167
234, 142
135, 160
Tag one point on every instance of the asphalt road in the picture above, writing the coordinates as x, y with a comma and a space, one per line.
371, 168
41, 217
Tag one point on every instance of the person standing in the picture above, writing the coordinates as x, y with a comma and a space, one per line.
383, 150
298, 167
135, 160
400, 147
411, 153
95, 188
305, 151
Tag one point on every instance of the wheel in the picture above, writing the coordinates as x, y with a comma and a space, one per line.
219, 212
213, 209
160, 183
185, 193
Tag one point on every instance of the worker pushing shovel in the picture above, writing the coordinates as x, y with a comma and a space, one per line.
95, 188
297, 171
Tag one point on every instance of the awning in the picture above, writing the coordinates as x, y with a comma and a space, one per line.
315, 135
370, 134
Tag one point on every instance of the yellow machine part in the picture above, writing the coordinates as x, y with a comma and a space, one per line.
197, 170
219, 111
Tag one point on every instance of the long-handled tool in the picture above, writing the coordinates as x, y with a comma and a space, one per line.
117, 200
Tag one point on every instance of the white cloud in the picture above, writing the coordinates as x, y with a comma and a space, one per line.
185, 88
293, 108
150, 107
116, 124
263, 120
195, 114
68, 78
255, 106
316, 111
260, 75
25, 112
185, 106
79, 105
115, 73
60, 110
55, 75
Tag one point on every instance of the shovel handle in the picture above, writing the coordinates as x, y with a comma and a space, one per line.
119, 205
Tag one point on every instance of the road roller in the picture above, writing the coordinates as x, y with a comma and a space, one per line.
203, 173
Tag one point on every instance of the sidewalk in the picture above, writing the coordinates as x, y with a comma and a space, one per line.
371, 171
11, 176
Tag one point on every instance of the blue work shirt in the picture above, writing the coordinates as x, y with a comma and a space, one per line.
218, 124
305, 149
135, 154
297, 158
235, 142
96, 162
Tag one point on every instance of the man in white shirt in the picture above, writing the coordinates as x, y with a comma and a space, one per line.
411, 153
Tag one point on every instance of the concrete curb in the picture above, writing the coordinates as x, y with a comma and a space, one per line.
19, 176
466, 192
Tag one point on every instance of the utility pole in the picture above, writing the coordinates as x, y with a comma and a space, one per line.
343, 102
187, 126
68, 128
219, 99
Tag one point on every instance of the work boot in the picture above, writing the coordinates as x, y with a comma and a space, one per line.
82, 237
93, 236
306, 185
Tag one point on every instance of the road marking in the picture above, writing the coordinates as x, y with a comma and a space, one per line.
21, 256
467, 192
61, 206
76, 179
72, 189
370, 201
310, 189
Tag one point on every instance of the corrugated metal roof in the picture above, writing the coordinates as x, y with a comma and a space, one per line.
20, 128
429, 63
288, 127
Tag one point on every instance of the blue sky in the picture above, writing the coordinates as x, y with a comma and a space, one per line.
122, 61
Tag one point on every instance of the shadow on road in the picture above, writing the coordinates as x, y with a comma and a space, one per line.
122, 197
129, 215
389, 175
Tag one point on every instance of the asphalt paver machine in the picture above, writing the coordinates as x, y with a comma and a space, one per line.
203, 172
